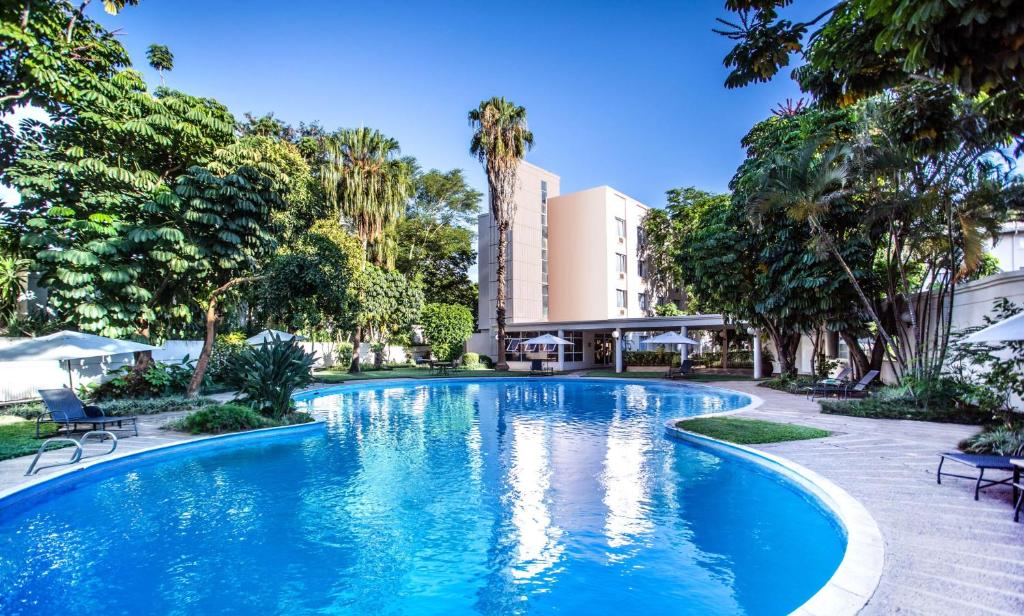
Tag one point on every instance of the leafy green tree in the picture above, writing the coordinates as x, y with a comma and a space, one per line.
441, 256
388, 303
266, 376
500, 141
444, 198
161, 59
117, 237
447, 327
13, 276
858, 48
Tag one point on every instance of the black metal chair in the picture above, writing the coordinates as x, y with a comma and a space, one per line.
685, 367
63, 407
860, 388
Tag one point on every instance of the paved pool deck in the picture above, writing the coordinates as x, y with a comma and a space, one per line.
944, 552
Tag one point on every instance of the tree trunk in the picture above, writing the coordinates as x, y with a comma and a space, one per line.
725, 348
357, 340
211, 332
858, 357
502, 364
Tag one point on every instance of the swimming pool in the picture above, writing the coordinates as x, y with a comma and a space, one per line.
504, 496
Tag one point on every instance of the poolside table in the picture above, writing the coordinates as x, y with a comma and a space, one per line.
983, 463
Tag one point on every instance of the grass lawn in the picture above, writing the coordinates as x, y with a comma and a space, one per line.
749, 431
339, 376
18, 437
696, 378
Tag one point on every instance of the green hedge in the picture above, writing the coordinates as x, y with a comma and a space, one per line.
880, 408
121, 408
737, 359
651, 358
223, 418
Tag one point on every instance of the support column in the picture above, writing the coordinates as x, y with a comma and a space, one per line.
684, 353
561, 351
757, 355
618, 349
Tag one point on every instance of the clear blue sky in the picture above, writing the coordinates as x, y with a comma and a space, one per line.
625, 94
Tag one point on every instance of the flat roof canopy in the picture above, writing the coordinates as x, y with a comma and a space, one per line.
639, 324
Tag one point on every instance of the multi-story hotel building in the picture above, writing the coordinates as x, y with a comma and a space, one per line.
573, 269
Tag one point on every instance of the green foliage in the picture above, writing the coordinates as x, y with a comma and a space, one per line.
344, 351
749, 431
367, 184
309, 286
993, 372
859, 48
13, 275
651, 358
471, 361
158, 379
160, 58
447, 327
896, 408
265, 376
221, 418
667, 309
123, 407
388, 301
737, 358
1002, 440
226, 348
789, 383
440, 255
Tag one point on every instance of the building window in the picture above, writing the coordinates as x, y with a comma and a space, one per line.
641, 299
620, 298
620, 225
620, 261
641, 268
544, 300
544, 248
574, 352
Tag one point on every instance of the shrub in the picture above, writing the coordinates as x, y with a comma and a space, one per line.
487, 361
120, 408
998, 440
265, 376
471, 361
651, 358
447, 327
891, 406
221, 418
226, 347
344, 352
159, 379
794, 384
737, 359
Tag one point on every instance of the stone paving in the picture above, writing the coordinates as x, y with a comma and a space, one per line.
944, 552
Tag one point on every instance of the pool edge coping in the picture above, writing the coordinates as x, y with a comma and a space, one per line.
857, 577
37, 482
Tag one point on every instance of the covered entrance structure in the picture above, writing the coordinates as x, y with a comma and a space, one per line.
602, 342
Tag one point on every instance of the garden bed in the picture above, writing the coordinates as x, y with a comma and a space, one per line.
876, 408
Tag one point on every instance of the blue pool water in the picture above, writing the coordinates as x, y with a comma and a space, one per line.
538, 496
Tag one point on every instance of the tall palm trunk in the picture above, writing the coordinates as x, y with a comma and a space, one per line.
500, 312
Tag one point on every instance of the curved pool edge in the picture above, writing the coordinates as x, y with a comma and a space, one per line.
12, 496
858, 574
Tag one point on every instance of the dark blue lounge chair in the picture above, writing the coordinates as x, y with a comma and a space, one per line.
826, 387
982, 462
860, 388
685, 367
63, 407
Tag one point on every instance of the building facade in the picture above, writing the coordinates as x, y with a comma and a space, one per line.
571, 258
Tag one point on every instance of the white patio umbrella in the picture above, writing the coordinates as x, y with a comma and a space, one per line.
547, 339
268, 335
1005, 330
672, 338
67, 345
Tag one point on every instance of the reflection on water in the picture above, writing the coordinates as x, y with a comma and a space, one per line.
539, 496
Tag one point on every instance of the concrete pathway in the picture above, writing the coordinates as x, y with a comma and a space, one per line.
944, 552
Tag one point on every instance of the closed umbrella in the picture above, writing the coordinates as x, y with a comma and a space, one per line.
268, 335
67, 345
1003, 331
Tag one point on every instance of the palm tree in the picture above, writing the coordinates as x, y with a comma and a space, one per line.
367, 183
499, 142
160, 58
806, 185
